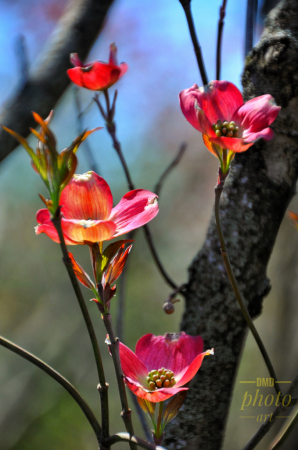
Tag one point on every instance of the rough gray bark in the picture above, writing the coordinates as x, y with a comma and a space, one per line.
259, 189
76, 32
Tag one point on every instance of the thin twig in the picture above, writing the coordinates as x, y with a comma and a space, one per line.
125, 437
194, 38
80, 127
111, 128
251, 15
222, 13
169, 169
263, 430
60, 379
100, 370
237, 292
114, 349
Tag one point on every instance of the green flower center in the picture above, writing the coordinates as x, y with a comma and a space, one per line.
225, 128
161, 378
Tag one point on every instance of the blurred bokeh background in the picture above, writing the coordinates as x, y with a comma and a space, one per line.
38, 309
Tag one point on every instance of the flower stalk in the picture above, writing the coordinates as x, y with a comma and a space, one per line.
56, 220
234, 284
113, 344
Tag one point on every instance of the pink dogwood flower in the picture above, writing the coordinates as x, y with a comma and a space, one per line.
228, 125
162, 365
97, 75
88, 215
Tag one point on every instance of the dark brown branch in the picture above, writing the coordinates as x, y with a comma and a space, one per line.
169, 169
80, 128
75, 32
197, 48
222, 14
257, 192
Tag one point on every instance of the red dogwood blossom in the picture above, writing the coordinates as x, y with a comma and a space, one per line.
162, 365
97, 75
218, 112
88, 214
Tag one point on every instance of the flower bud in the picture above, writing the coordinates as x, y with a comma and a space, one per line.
168, 308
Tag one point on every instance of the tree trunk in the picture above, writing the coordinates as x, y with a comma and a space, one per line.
258, 190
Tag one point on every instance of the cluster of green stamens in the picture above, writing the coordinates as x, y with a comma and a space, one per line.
225, 128
160, 378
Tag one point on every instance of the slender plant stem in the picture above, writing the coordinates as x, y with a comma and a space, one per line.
80, 127
117, 147
193, 35
114, 349
155, 256
60, 379
103, 386
263, 430
225, 256
111, 128
125, 437
285, 431
169, 169
222, 13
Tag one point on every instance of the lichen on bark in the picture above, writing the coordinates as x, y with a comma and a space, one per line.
258, 190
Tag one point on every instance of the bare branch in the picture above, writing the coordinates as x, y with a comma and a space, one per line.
75, 32
169, 169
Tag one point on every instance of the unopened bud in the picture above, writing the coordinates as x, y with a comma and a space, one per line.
158, 383
230, 133
168, 308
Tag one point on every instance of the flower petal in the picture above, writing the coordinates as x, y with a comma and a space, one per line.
174, 351
87, 196
135, 209
189, 372
97, 76
236, 145
191, 108
88, 230
211, 148
132, 366
159, 395
45, 226
256, 114
220, 100
266, 134
80, 273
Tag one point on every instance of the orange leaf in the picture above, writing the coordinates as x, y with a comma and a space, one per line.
80, 273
